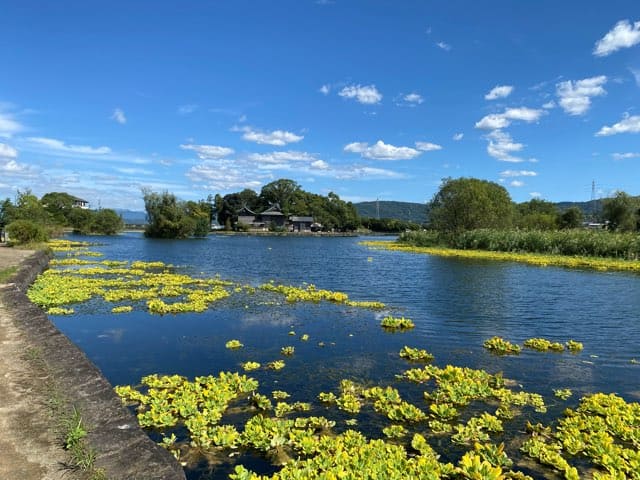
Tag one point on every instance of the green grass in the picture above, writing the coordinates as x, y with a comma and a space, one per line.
7, 273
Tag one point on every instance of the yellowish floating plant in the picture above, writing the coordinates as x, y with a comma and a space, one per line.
415, 354
396, 323
288, 351
60, 311
250, 366
543, 345
276, 365
542, 260
562, 393
574, 346
233, 344
501, 346
122, 309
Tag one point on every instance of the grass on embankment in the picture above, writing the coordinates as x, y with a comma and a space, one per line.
7, 273
596, 250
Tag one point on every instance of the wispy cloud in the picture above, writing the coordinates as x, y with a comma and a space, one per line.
496, 121
277, 138
623, 35
325, 89
518, 173
118, 116
458, 136
8, 125
55, 145
501, 147
282, 157
205, 152
382, 151
365, 94
428, 146
444, 46
499, 91
575, 96
636, 75
409, 100
7, 151
517, 183
628, 124
625, 156
187, 109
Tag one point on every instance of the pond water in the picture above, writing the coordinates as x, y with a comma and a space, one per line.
455, 304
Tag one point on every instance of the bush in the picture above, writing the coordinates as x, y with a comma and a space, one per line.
26, 231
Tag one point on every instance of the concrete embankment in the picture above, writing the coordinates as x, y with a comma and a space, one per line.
123, 450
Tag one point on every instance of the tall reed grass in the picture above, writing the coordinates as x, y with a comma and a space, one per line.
582, 242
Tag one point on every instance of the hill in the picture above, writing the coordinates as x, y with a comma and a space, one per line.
132, 217
408, 211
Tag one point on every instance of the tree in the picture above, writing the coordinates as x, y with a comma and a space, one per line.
537, 214
106, 222
28, 207
59, 205
81, 220
571, 218
621, 211
281, 192
169, 217
468, 203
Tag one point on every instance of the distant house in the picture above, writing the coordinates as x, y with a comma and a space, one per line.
300, 224
80, 203
272, 216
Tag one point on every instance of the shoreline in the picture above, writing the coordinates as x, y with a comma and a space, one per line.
122, 449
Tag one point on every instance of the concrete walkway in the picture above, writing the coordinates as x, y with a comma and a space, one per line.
30, 449
38, 364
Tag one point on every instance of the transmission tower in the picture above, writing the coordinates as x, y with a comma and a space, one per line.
593, 199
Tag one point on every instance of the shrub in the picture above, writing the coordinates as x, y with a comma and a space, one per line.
26, 231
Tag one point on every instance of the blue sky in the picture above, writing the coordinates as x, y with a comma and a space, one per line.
368, 99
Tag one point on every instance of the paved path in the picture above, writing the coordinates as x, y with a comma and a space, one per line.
30, 449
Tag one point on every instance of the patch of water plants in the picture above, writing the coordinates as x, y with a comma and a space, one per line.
500, 346
153, 286
538, 259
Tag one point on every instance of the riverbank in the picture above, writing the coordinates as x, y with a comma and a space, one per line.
542, 260
47, 380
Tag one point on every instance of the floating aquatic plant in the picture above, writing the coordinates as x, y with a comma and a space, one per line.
122, 309
500, 346
562, 393
542, 345
288, 351
574, 346
249, 366
233, 344
415, 354
396, 323
276, 365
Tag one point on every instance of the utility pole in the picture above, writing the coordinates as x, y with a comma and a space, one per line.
593, 199
377, 209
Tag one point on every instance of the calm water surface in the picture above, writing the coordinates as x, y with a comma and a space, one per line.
455, 304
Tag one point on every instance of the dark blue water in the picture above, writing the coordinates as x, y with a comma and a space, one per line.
455, 304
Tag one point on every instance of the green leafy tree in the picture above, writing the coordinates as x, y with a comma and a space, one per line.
59, 205
571, 218
81, 220
28, 207
537, 214
621, 211
468, 203
281, 192
169, 217
106, 222
25, 231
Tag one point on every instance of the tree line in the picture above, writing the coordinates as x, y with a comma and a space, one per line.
29, 219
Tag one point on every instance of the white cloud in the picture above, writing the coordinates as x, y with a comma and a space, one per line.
325, 89
54, 145
499, 91
412, 99
518, 173
7, 151
209, 152
365, 94
320, 165
535, 194
497, 121
622, 35
187, 109
636, 75
118, 116
458, 136
625, 156
549, 105
282, 157
501, 146
278, 138
9, 126
427, 146
382, 151
517, 183
629, 124
444, 46
223, 175
575, 96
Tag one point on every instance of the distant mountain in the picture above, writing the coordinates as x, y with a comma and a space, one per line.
132, 217
591, 207
408, 211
